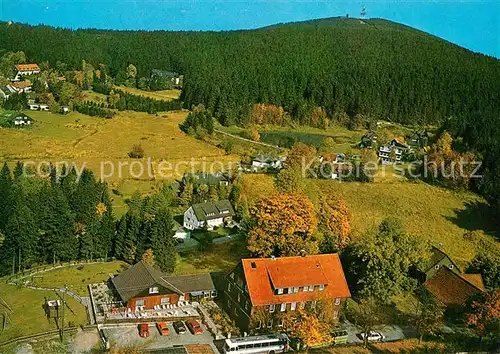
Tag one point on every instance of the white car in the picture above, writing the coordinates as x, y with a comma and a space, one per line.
373, 336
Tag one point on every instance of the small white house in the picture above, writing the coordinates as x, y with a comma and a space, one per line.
208, 215
267, 161
22, 120
34, 106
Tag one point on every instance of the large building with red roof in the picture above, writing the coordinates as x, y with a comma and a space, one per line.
260, 291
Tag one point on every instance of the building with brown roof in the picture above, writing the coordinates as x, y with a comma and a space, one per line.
452, 288
142, 286
260, 291
20, 86
26, 70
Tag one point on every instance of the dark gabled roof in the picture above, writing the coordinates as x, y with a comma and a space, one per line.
266, 158
436, 256
191, 283
213, 210
138, 278
451, 288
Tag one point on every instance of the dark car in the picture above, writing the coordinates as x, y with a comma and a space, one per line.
144, 330
179, 327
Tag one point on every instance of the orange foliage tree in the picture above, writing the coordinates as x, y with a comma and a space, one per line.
335, 223
268, 114
283, 225
300, 155
484, 314
309, 329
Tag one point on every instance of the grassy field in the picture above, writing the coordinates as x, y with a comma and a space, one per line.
103, 144
78, 277
159, 95
437, 215
28, 316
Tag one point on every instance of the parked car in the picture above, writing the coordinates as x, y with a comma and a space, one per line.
373, 336
144, 330
162, 328
194, 327
179, 327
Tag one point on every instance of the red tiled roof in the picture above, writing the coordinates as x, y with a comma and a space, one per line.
451, 288
27, 67
288, 272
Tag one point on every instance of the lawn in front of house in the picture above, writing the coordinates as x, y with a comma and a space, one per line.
212, 234
217, 258
28, 316
78, 277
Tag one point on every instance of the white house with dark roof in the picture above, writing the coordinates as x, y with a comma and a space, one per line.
209, 214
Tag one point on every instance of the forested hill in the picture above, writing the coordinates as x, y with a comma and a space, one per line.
373, 67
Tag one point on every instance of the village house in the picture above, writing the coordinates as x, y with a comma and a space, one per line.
143, 287
418, 139
208, 215
176, 79
19, 86
392, 152
258, 292
442, 277
368, 140
22, 120
203, 178
25, 70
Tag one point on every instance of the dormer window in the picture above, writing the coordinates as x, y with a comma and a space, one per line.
280, 291
436, 266
450, 266
321, 287
154, 290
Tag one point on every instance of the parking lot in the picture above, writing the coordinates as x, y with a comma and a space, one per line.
129, 335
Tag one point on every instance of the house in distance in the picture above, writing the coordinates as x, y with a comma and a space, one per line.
25, 70
208, 215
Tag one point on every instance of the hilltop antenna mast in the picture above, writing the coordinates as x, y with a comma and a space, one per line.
363, 12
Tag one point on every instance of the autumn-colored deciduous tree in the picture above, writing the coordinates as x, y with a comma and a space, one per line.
301, 155
148, 257
268, 114
289, 180
484, 314
309, 329
254, 135
319, 118
335, 223
283, 225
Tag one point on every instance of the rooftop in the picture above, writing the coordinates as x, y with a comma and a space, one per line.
213, 210
27, 67
263, 275
452, 288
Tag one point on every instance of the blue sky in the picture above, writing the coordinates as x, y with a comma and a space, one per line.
473, 24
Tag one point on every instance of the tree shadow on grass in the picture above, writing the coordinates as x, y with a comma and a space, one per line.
477, 216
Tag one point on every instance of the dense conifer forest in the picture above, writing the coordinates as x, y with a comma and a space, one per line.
374, 69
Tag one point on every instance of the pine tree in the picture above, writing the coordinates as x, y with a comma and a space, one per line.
5, 195
162, 240
57, 227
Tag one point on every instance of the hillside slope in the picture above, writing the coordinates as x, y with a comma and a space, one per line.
374, 67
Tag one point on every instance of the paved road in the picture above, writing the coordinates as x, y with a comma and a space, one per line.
391, 332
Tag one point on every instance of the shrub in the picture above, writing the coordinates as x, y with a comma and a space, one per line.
137, 152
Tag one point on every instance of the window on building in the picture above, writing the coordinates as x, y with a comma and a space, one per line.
165, 300
271, 308
450, 266
280, 323
228, 286
154, 290
283, 308
239, 297
311, 287
313, 304
270, 323
306, 289
235, 311
321, 287
302, 305
259, 325
293, 306
335, 314
290, 290
337, 301
296, 289
436, 266
231, 275
280, 291
139, 303
246, 305
206, 294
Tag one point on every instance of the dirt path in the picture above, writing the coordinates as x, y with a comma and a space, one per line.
247, 140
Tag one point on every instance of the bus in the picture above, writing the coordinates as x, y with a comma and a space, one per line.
263, 344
